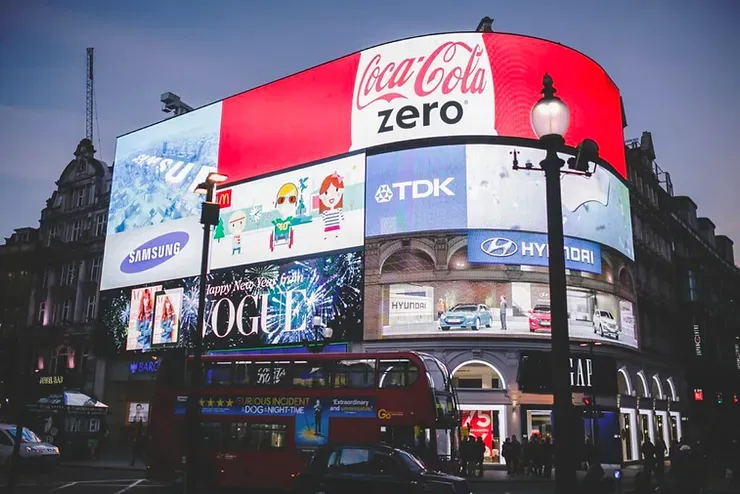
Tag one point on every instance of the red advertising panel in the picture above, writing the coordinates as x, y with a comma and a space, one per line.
459, 84
479, 424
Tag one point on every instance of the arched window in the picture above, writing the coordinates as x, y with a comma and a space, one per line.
657, 388
642, 386
459, 260
408, 260
477, 374
61, 358
624, 385
672, 387
625, 280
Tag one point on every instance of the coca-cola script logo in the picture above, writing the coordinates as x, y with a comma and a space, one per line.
452, 66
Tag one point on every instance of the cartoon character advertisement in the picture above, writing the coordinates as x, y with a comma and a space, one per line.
141, 318
316, 209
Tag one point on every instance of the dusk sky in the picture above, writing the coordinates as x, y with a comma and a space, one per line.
675, 62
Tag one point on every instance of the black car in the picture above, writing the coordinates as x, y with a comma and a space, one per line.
371, 469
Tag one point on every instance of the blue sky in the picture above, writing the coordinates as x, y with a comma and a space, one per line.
675, 62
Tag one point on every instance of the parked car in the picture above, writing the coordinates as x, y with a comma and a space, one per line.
604, 322
464, 316
33, 451
370, 469
540, 318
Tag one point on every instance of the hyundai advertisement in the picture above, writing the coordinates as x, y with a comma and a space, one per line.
315, 209
333, 169
416, 190
529, 249
497, 309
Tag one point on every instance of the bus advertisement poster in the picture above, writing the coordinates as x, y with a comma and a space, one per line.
312, 426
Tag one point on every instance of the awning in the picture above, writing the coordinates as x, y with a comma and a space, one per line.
69, 402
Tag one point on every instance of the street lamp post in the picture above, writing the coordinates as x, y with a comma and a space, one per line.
208, 218
550, 119
321, 333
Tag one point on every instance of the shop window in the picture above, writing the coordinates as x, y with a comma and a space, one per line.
408, 260
396, 373
354, 374
477, 375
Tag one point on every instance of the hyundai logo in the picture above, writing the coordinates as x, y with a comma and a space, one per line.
499, 247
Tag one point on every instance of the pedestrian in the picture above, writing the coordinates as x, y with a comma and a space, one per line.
547, 457
659, 459
506, 453
503, 305
526, 460
481, 452
648, 457
137, 439
516, 452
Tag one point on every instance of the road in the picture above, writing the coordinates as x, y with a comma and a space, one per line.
74, 480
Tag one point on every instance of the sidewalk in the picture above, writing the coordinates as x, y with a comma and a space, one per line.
498, 474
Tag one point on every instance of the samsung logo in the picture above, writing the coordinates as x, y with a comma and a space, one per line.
154, 252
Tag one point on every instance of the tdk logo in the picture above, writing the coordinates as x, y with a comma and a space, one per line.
417, 189
154, 252
499, 247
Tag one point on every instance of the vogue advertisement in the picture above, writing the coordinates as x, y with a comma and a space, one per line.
261, 305
312, 210
499, 309
272, 304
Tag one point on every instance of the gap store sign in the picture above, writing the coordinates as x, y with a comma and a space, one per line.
513, 247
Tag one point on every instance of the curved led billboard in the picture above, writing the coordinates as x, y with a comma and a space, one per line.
323, 161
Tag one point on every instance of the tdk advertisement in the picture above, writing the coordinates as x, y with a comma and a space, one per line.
515, 247
416, 190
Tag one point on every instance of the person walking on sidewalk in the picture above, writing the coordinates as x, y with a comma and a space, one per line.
480, 454
506, 453
547, 457
137, 446
516, 453
648, 457
659, 459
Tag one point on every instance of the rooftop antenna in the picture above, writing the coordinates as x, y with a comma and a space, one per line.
172, 103
89, 97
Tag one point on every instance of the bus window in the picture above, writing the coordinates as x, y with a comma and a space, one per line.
211, 433
395, 373
354, 374
313, 375
218, 374
265, 437
438, 378
241, 374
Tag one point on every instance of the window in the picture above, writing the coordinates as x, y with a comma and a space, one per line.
218, 374
382, 464
353, 460
211, 435
42, 313
76, 231
91, 194
5, 440
310, 375
69, 273
100, 223
693, 286
90, 309
265, 437
94, 273
45, 277
78, 197
67, 310
397, 373
59, 360
354, 374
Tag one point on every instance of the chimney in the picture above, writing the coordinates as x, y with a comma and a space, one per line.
724, 247
646, 145
686, 210
706, 230
485, 25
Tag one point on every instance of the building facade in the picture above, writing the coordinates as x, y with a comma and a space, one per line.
60, 264
689, 290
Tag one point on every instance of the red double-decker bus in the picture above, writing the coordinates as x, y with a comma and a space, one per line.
262, 416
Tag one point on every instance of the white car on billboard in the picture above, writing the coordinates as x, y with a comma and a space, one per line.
605, 324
